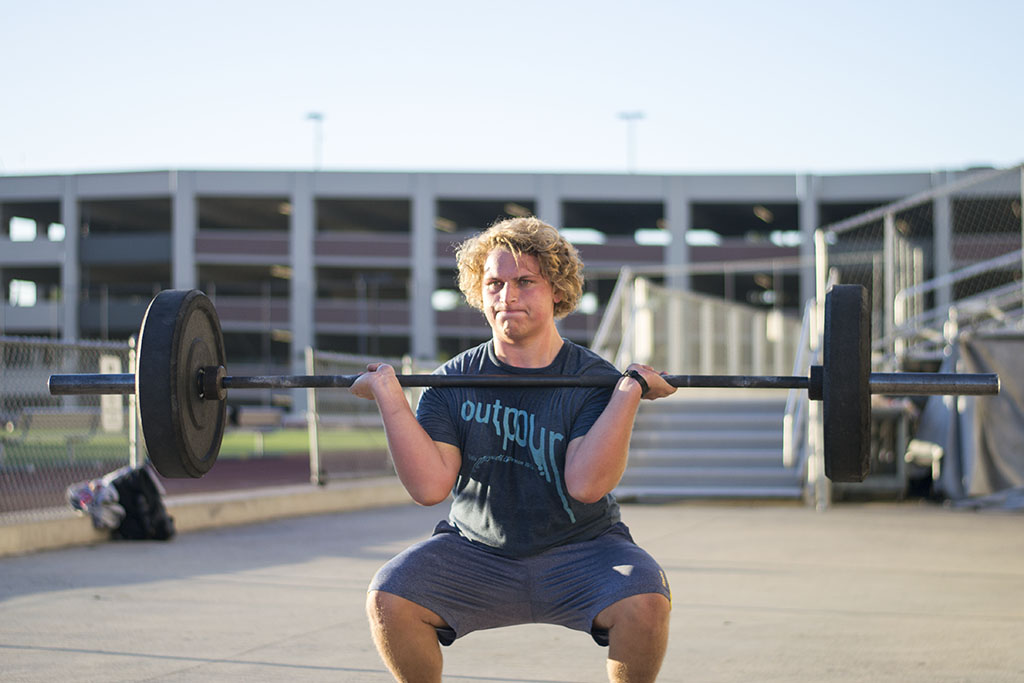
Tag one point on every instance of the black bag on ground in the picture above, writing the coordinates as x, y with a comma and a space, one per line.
128, 502
141, 496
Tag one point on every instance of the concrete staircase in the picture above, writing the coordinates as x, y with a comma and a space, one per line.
724, 444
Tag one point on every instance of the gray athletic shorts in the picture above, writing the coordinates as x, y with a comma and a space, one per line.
473, 589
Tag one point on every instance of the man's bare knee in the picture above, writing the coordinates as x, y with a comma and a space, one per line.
651, 610
380, 606
644, 611
404, 634
383, 608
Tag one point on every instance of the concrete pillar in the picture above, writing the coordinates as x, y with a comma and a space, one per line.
424, 269
70, 273
183, 230
549, 200
807, 187
678, 218
677, 261
302, 290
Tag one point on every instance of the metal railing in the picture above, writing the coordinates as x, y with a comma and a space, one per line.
684, 332
794, 422
925, 333
969, 233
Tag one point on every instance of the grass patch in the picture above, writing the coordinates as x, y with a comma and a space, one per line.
42, 449
243, 444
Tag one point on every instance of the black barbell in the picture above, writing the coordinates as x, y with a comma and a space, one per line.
181, 383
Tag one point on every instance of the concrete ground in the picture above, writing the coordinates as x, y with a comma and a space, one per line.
762, 592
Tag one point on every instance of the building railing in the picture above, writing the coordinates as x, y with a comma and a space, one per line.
925, 333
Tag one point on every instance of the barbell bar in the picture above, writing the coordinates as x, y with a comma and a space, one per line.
892, 383
181, 383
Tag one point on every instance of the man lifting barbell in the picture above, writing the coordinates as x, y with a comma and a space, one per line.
181, 386
534, 534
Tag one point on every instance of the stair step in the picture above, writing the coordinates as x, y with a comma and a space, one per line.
705, 457
692, 475
672, 405
731, 421
707, 439
710, 445
677, 492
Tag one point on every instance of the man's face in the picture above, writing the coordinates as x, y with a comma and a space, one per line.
518, 301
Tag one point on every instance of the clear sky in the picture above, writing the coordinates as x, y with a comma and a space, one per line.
724, 86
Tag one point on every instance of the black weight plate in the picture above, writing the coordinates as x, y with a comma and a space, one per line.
180, 334
846, 384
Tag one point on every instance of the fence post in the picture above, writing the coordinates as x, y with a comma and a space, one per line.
134, 450
316, 472
676, 326
643, 322
707, 338
733, 342
820, 490
776, 336
758, 343
889, 277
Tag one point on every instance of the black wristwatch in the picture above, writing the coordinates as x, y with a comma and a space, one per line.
633, 374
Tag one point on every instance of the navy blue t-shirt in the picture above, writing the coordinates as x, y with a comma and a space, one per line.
510, 492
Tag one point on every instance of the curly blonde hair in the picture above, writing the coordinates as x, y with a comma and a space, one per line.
560, 262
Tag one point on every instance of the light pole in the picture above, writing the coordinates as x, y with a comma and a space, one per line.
631, 117
318, 137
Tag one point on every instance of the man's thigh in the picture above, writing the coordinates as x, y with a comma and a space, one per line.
469, 588
472, 589
578, 581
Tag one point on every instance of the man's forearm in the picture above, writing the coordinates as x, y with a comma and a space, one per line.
427, 473
595, 462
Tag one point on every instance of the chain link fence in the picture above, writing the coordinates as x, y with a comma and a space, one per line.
346, 434
935, 264
953, 252
49, 442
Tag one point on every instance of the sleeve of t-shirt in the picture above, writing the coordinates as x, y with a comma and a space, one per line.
594, 404
435, 416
